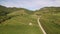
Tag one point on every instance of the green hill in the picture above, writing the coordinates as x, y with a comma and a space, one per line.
23, 21
50, 19
4, 11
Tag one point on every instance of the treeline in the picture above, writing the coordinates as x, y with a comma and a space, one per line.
3, 14
4, 11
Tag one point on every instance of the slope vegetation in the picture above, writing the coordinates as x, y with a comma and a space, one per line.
50, 19
22, 22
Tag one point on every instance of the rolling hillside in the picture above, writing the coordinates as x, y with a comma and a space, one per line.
50, 19
23, 21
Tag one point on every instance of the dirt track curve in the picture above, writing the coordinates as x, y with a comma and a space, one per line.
41, 26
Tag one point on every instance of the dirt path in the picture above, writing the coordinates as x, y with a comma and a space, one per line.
41, 26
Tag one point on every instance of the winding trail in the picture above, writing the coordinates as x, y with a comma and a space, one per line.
41, 26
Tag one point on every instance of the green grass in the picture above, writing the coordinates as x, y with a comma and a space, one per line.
16, 20
20, 25
51, 23
20, 29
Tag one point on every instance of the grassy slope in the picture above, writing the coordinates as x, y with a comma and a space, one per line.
20, 24
51, 23
50, 19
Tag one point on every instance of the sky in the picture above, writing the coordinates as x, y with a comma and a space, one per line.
30, 4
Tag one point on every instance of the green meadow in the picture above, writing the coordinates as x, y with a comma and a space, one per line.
23, 21
19, 24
